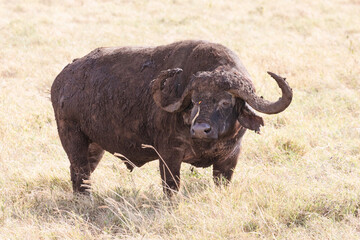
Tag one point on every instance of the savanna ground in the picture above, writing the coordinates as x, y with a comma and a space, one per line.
299, 179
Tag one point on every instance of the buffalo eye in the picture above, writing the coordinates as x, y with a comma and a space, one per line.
225, 103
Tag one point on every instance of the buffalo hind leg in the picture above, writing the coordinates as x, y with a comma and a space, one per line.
76, 146
223, 170
95, 153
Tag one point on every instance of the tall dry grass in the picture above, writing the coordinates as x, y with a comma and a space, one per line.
299, 180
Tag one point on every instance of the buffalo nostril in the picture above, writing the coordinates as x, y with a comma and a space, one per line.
207, 130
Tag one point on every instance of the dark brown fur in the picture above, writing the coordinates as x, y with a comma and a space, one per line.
104, 101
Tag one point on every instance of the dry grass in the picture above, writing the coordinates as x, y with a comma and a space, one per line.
299, 180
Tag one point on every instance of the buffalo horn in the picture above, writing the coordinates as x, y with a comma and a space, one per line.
167, 103
258, 103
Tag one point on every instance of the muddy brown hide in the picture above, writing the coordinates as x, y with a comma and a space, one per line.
117, 99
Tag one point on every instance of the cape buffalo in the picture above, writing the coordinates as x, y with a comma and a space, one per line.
191, 100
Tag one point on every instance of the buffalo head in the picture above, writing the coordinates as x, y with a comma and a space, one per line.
214, 102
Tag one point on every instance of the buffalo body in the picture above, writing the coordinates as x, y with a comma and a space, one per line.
191, 100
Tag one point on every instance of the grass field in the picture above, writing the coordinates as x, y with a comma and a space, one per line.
299, 179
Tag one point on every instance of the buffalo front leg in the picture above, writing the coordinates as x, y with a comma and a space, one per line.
170, 176
223, 169
76, 146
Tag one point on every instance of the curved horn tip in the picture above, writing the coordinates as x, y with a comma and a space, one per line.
273, 75
279, 80
276, 77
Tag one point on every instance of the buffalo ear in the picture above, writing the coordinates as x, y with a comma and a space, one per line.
248, 118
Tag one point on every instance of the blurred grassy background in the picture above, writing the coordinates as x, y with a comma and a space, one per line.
299, 180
